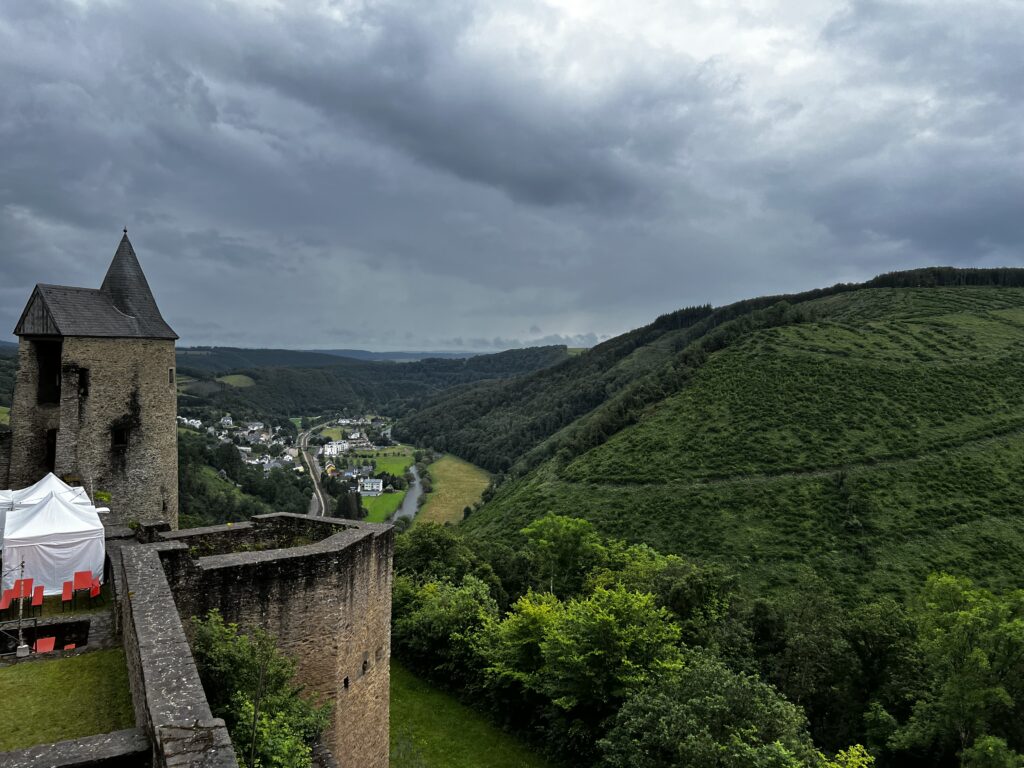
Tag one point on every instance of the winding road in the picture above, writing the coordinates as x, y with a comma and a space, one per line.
318, 502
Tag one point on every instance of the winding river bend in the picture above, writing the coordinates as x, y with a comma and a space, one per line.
410, 503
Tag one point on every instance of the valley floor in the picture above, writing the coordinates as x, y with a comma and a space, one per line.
457, 485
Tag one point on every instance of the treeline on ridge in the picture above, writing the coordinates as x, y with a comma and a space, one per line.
513, 426
351, 385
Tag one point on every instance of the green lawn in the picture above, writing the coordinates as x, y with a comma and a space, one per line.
333, 433
380, 508
5, 414
236, 380
430, 729
457, 485
66, 698
394, 460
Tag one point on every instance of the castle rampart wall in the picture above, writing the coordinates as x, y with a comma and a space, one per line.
328, 604
169, 700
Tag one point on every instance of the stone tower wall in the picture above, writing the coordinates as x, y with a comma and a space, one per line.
5, 459
106, 385
29, 421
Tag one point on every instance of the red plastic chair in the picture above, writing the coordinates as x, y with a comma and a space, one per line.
67, 595
6, 600
95, 590
45, 644
83, 580
69, 647
37, 599
22, 588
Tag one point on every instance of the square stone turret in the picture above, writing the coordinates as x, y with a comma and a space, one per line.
95, 398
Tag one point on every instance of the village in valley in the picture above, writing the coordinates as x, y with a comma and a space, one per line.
347, 450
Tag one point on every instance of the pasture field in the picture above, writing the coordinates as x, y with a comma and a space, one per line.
457, 485
394, 460
380, 508
430, 729
5, 414
65, 698
236, 380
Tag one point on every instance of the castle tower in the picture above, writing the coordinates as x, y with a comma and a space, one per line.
95, 395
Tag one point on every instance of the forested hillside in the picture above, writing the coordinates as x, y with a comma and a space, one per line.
507, 426
835, 483
873, 435
356, 385
224, 359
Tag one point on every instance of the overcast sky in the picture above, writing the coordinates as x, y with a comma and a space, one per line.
470, 174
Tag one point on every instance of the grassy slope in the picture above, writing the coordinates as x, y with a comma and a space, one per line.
877, 444
236, 380
64, 699
5, 414
430, 729
457, 485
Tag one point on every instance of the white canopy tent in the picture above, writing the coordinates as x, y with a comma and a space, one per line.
33, 494
54, 538
29, 497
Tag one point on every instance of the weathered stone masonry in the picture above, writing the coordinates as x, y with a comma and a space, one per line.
95, 396
328, 604
128, 388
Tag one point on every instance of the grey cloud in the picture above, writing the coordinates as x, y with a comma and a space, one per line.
293, 178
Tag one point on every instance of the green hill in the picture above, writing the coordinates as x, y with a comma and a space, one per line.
347, 384
874, 435
513, 426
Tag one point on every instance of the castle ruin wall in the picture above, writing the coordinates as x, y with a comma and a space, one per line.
327, 603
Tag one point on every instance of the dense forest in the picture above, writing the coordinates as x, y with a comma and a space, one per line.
8, 368
226, 359
348, 385
812, 503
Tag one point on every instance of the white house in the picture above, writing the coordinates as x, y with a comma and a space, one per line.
335, 448
227, 421
371, 487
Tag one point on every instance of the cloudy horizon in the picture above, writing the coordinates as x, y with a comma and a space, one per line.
466, 175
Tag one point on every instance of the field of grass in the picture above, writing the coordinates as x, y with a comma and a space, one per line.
430, 729
236, 380
393, 460
47, 701
877, 444
380, 508
333, 433
457, 485
5, 414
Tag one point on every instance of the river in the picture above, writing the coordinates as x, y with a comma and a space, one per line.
410, 503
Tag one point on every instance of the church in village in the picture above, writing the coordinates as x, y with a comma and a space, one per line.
93, 434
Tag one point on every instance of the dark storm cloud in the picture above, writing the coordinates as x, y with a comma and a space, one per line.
465, 174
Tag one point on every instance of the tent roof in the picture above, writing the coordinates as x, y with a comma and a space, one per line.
52, 521
47, 485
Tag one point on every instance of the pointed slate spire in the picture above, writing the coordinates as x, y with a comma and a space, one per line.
126, 286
